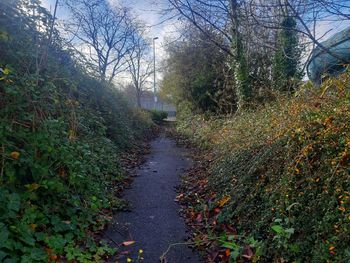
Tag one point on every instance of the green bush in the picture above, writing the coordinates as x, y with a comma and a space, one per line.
62, 134
158, 116
281, 173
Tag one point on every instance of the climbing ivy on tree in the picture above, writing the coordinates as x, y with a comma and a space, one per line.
240, 65
241, 71
286, 70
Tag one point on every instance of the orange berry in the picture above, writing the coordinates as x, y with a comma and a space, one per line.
53, 257
15, 155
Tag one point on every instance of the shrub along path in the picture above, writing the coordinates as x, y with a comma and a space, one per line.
154, 222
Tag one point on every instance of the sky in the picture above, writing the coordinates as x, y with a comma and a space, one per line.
149, 11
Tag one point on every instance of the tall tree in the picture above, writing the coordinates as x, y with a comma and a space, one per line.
104, 31
286, 71
139, 64
240, 65
225, 18
197, 72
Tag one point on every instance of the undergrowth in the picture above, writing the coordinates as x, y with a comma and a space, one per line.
158, 116
62, 134
278, 189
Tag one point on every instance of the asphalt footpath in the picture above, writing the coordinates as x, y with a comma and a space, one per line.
154, 225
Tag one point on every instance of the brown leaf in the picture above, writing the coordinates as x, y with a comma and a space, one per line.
247, 252
179, 197
199, 218
213, 255
224, 200
128, 243
229, 229
217, 210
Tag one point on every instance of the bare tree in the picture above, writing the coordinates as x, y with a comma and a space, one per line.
209, 16
139, 64
104, 32
224, 15
308, 14
224, 18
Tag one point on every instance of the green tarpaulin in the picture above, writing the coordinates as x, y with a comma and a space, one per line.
332, 61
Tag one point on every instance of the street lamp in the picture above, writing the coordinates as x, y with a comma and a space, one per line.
154, 72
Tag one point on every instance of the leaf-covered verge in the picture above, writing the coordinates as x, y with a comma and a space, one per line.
62, 136
273, 184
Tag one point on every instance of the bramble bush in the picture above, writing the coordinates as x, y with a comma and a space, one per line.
280, 177
62, 134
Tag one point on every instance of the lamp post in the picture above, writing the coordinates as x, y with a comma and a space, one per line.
154, 72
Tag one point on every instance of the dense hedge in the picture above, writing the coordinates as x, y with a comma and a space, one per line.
280, 180
62, 133
158, 116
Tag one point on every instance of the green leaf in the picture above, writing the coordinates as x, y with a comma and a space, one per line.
289, 230
38, 254
3, 255
230, 245
5, 71
40, 236
56, 242
14, 203
278, 220
10, 260
4, 234
278, 229
28, 239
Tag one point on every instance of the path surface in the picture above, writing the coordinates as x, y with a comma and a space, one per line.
154, 222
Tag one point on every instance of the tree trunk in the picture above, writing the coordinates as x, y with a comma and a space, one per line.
138, 98
240, 65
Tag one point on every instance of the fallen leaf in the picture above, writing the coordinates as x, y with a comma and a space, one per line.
62, 172
179, 197
128, 243
213, 255
224, 200
53, 257
248, 252
199, 218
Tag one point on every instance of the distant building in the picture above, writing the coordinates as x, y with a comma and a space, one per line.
147, 102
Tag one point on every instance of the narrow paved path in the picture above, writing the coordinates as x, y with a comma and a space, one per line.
154, 222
